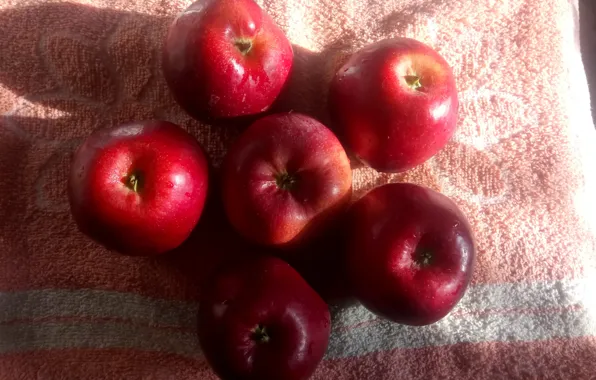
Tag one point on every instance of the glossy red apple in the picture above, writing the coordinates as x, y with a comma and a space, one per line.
410, 253
226, 58
138, 188
259, 320
285, 180
394, 103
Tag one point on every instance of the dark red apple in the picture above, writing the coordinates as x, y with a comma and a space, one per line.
138, 188
394, 104
259, 320
285, 180
410, 253
226, 58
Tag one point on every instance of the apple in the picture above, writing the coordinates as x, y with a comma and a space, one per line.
138, 188
285, 180
259, 320
410, 253
225, 58
394, 104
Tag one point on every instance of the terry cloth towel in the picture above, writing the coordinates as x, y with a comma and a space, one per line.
521, 165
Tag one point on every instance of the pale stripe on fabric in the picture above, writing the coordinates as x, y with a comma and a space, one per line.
503, 312
480, 298
566, 323
384, 336
46, 336
89, 303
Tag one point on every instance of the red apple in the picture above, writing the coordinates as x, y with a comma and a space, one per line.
285, 180
260, 320
410, 253
138, 188
225, 58
394, 104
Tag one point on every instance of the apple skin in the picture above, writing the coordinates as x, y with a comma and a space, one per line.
285, 180
410, 253
226, 58
382, 115
169, 169
264, 293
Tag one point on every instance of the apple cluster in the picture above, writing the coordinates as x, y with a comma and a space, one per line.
407, 252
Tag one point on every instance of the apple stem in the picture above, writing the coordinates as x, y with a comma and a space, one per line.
413, 81
260, 334
134, 182
244, 46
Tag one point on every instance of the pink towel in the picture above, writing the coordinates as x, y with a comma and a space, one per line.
522, 166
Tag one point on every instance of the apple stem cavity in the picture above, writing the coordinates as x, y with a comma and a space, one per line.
133, 182
413, 81
424, 257
260, 335
285, 181
244, 46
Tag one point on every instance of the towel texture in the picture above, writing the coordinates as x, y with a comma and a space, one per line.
522, 166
